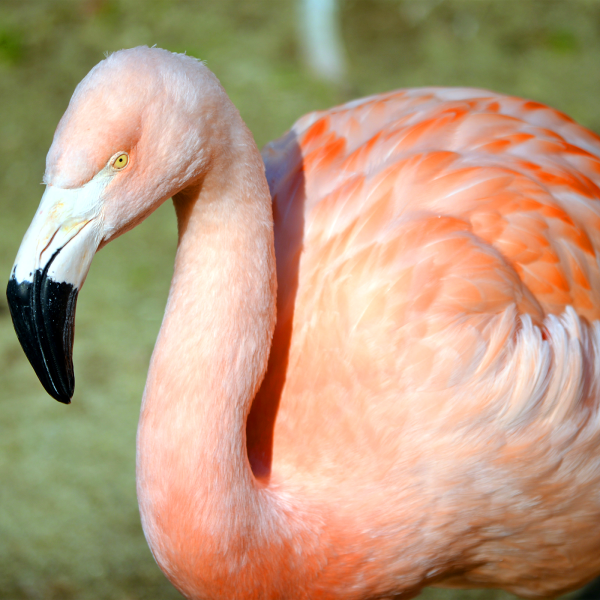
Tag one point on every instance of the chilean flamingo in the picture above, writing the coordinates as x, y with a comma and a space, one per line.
418, 402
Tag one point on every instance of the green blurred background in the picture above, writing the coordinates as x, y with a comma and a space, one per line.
69, 525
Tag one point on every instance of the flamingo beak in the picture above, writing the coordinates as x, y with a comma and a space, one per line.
50, 268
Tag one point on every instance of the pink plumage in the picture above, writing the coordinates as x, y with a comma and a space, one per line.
425, 409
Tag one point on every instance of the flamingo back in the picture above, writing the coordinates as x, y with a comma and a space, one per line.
514, 179
437, 258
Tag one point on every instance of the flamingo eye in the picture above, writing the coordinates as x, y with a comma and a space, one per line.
120, 162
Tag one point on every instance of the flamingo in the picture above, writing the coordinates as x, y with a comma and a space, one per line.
379, 362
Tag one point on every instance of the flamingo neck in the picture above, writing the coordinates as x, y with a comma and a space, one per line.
198, 497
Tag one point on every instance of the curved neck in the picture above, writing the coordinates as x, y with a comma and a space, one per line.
196, 490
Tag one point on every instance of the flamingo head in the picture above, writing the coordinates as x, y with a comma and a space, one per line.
138, 130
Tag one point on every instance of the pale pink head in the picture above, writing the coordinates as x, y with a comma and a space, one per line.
157, 107
143, 125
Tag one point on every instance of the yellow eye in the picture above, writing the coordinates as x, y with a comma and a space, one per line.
121, 162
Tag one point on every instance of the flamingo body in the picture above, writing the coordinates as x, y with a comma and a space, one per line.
440, 238
425, 409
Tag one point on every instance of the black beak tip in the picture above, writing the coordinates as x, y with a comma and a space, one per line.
63, 395
62, 399
43, 314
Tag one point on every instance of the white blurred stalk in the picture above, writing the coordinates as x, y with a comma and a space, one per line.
321, 39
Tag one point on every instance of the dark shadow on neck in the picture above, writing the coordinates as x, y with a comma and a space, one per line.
285, 174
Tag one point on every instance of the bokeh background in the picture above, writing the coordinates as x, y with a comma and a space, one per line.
69, 524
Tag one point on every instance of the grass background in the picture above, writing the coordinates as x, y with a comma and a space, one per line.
69, 525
